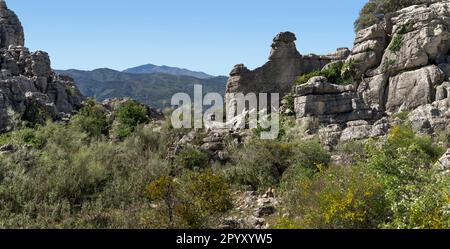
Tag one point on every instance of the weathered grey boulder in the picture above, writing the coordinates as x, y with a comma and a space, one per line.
330, 103
319, 85
368, 49
373, 91
412, 89
443, 91
6, 148
432, 117
39, 108
361, 129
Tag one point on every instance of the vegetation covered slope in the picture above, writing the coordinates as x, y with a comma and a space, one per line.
73, 175
155, 90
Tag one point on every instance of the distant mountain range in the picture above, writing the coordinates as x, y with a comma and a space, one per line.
155, 89
150, 68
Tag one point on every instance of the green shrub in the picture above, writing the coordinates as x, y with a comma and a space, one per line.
69, 181
368, 15
405, 28
91, 119
333, 73
339, 197
261, 164
192, 159
129, 115
397, 43
403, 115
303, 79
193, 201
416, 194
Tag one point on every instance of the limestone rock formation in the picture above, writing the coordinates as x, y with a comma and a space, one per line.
29, 90
11, 29
399, 65
330, 103
404, 61
284, 66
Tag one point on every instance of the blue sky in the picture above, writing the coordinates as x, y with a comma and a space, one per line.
205, 35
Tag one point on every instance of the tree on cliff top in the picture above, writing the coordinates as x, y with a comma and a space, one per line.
374, 10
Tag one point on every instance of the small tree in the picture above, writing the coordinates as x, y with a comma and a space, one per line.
91, 119
129, 115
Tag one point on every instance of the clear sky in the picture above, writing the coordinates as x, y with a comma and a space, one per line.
204, 35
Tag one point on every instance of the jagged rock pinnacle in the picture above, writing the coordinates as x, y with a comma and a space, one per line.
11, 31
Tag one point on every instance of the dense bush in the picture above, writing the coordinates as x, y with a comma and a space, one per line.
392, 184
417, 194
372, 13
129, 115
193, 201
340, 197
334, 74
63, 176
91, 120
64, 180
192, 159
261, 164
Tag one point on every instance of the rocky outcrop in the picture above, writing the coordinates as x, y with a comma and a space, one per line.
431, 118
11, 29
404, 60
29, 90
409, 90
399, 65
284, 66
330, 103
252, 210
368, 49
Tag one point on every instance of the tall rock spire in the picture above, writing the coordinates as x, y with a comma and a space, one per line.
11, 30
3, 4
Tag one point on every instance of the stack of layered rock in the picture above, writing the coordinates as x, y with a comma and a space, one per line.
284, 66
29, 90
403, 65
399, 65
405, 60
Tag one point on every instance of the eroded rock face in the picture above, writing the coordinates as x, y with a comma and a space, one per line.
29, 90
284, 66
368, 49
404, 65
407, 70
412, 89
11, 29
330, 103
431, 118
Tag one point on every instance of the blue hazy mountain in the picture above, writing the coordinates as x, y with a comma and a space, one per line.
154, 89
150, 68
